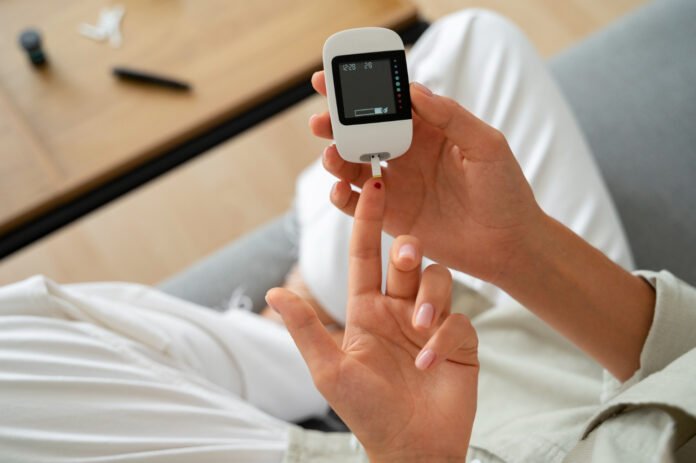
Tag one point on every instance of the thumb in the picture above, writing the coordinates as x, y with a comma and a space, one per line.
460, 126
318, 349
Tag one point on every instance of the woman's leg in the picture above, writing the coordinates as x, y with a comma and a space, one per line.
247, 355
485, 63
119, 372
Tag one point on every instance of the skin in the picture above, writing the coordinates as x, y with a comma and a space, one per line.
461, 194
460, 190
399, 404
296, 284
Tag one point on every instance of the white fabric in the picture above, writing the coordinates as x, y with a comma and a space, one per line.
539, 396
121, 372
487, 65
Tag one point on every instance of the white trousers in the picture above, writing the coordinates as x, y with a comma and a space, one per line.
117, 372
121, 372
487, 65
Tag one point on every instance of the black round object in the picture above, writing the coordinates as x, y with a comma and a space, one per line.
30, 39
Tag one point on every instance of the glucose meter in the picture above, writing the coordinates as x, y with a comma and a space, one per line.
368, 94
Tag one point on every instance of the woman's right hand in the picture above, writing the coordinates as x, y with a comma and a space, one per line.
459, 188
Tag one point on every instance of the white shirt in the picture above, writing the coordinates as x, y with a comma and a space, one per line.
542, 400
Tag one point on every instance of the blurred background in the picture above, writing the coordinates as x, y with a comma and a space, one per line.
68, 127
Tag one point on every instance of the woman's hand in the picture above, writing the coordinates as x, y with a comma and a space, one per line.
405, 379
295, 283
459, 188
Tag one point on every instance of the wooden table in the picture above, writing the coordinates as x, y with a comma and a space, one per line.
71, 128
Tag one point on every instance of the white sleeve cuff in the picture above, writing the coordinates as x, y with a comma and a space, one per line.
671, 334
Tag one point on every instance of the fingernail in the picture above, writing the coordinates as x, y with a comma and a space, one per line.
333, 190
425, 359
423, 89
407, 251
378, 185
424, 316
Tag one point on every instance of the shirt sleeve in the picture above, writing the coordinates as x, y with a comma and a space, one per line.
671, 334
654, 412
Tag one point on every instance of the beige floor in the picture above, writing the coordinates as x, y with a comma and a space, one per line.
186, 214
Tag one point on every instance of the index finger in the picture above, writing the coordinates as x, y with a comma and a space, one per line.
365, 255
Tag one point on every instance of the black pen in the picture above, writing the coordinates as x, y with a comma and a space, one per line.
149, 78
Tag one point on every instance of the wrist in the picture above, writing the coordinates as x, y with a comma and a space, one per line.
536, 252
410, 458
418, 455
600, 307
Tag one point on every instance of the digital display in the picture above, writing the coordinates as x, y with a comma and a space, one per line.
371, 87
367, 88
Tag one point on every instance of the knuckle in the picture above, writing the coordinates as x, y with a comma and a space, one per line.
402, 239
463, 325
460, 320
353, 171
438, 272
495, 138
326, 162
365, 252
329, 161
338, 199
453, 109
303, 320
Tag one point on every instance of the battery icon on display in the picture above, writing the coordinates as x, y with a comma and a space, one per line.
371, 111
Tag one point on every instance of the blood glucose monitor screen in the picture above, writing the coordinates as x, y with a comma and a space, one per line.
372, 88
367, 88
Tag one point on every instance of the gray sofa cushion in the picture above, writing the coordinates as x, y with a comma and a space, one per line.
252, 264
633, 89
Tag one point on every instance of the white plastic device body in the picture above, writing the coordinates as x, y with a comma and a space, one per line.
360, 141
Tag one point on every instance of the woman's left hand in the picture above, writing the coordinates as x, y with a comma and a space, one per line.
405, 379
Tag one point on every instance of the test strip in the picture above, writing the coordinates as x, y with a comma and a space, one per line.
376, 167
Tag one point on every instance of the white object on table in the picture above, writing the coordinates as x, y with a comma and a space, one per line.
109, 26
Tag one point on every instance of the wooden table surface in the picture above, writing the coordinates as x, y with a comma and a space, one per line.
70, 127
